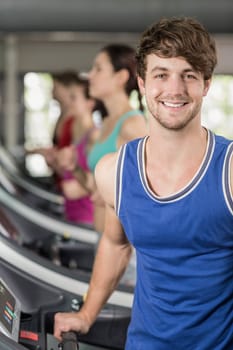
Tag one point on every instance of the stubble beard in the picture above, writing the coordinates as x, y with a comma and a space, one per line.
172, 122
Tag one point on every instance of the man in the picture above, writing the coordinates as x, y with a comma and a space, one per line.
173, 202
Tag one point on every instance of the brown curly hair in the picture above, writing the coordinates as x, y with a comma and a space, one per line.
178, 37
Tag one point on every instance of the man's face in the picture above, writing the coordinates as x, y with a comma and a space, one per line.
173, 90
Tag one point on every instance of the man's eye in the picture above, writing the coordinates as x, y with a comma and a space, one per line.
190, 76
159, 76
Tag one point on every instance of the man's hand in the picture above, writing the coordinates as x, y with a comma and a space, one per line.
69, 321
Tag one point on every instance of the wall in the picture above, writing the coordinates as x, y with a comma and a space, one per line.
53, 51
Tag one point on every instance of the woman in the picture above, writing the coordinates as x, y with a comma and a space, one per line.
62, 84
78, 206
112, 80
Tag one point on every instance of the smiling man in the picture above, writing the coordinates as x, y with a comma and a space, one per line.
170, 196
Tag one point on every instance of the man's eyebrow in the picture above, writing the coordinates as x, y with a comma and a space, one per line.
164, 69
159, 68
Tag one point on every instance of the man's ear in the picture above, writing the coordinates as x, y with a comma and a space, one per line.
207, 86
141, 85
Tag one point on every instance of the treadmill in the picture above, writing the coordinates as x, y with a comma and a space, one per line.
50, 236
39, 289
47, 195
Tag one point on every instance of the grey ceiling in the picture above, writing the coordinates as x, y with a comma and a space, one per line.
109, 15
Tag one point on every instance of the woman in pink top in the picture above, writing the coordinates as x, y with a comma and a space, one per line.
78, 206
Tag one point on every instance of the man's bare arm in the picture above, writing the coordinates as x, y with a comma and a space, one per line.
111, 260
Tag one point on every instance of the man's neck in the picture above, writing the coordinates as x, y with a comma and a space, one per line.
172, 159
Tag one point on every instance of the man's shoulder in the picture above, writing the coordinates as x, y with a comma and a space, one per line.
132, 144
106, 165
107, 161
105, 176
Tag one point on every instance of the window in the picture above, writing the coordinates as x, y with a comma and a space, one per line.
217, 112
41, 114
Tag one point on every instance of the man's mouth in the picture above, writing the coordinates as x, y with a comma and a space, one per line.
173, 104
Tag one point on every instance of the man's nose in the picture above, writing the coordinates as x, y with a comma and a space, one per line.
176, 85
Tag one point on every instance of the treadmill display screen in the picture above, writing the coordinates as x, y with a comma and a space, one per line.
9, 312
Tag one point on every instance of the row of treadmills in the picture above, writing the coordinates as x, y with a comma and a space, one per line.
45, 267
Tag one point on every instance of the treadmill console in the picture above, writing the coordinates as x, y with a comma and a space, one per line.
9, 312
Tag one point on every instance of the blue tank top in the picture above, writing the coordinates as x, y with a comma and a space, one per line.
110, 143
183, 296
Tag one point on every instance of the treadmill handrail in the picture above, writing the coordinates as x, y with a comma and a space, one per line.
40, 192
15, 175
22, 262
49, 223
69, 341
